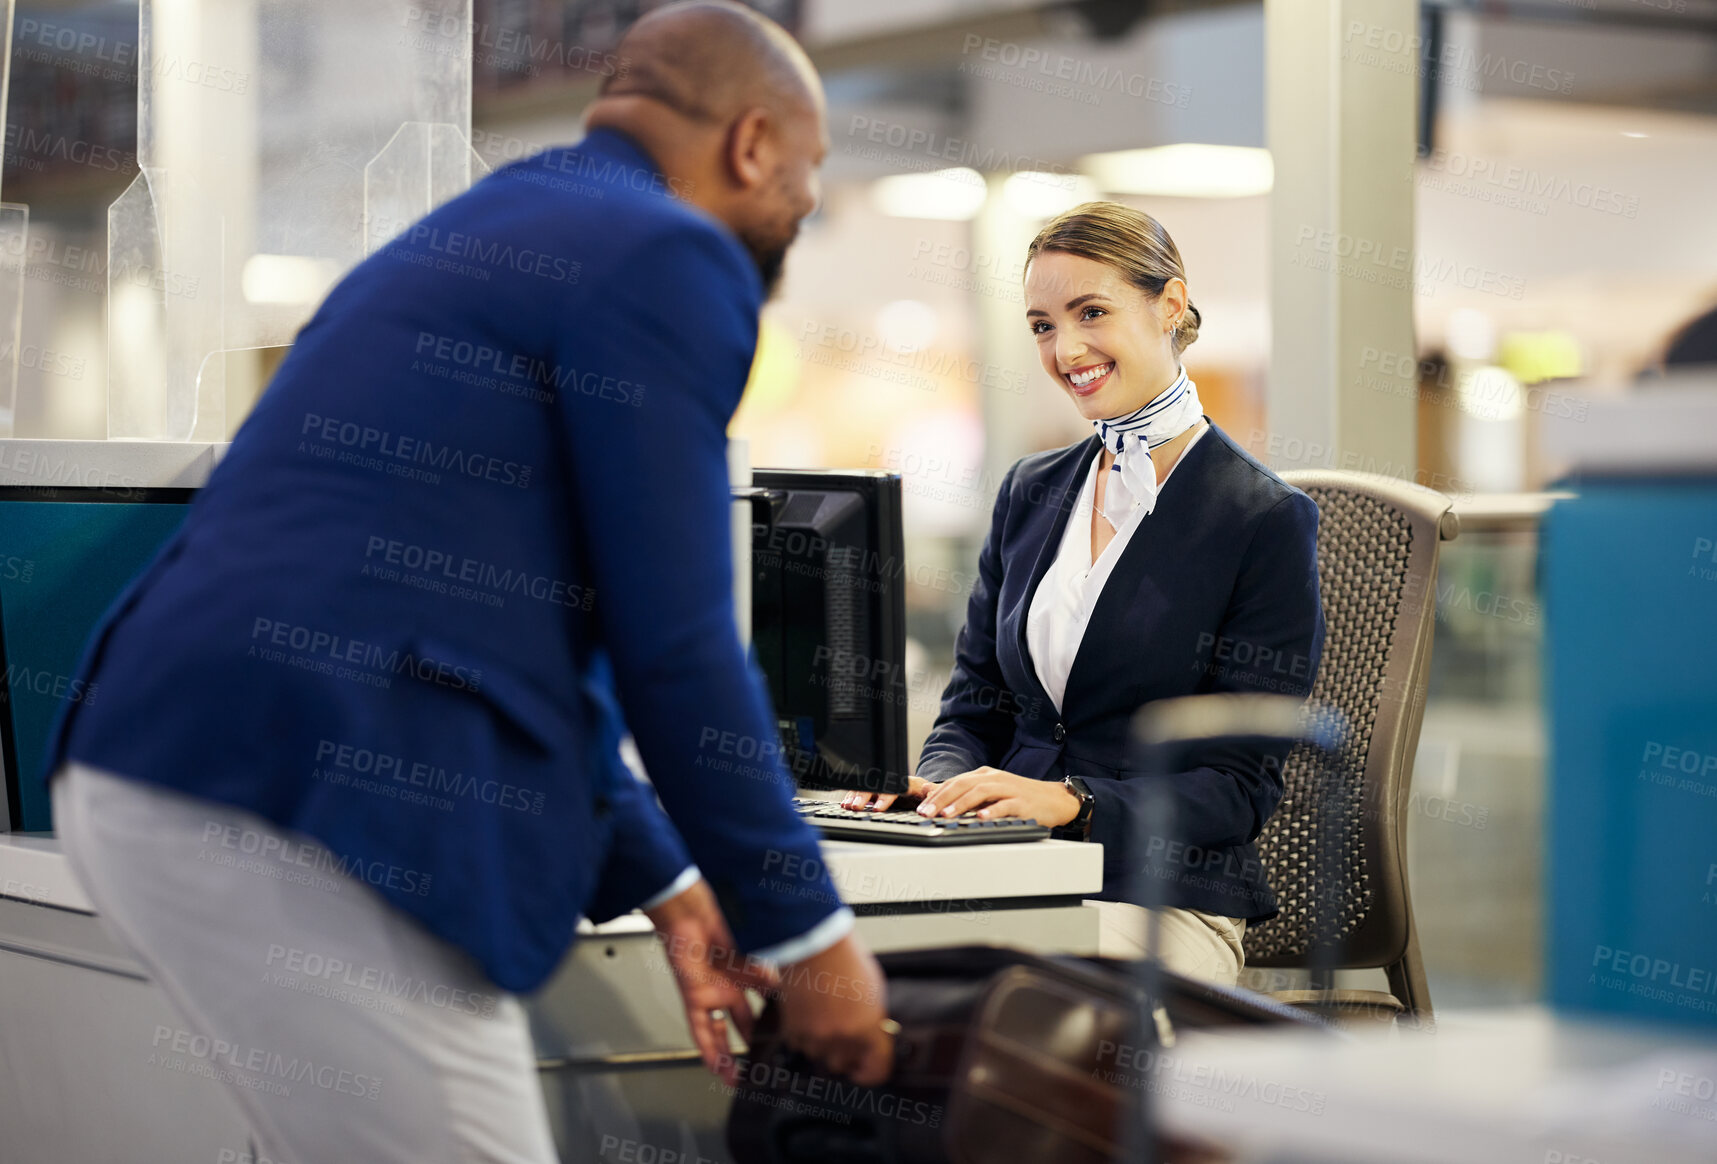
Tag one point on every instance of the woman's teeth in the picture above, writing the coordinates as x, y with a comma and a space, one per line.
1081, 379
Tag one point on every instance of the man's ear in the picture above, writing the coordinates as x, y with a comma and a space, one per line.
749, 148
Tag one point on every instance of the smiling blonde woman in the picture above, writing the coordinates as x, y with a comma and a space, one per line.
1103, 586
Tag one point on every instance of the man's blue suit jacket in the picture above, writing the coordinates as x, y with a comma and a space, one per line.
480, 515
1217, 591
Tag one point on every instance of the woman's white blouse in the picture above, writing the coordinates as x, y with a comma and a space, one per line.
1061, 608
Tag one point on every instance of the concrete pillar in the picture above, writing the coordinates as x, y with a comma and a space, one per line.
1341, 93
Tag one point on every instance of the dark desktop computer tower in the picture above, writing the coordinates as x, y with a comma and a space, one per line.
829, 623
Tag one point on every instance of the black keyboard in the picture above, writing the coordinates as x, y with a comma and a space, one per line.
908, 828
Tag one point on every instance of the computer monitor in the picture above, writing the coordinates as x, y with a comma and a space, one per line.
65, 555
828, 619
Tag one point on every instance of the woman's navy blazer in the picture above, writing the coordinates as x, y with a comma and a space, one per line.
1216, 592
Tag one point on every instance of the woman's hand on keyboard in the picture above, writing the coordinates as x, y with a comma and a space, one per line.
916, 790
993, 794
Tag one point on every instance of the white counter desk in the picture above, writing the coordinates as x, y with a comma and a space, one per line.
78, 1016
1513, 1086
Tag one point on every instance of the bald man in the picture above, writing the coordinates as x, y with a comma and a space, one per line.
353, 781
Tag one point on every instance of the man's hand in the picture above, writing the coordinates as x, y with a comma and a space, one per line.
991, 793
916, 790
711, 974
833, 1007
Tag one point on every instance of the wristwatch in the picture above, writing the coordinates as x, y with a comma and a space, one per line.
1079, 828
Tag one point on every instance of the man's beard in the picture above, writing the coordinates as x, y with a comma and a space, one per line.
770, 256
768, 241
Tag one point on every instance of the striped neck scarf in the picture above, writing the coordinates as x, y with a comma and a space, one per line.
1133, 478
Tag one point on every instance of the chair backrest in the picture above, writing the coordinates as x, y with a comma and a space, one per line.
1335, 850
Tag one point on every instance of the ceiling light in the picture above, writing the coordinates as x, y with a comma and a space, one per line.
1471, 335
1187, 170
1040, 194
956, 194
288, 278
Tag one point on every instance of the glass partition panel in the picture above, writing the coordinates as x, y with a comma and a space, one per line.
423, 166
164, 308
273, 137
1475, 832
14, 237
14, 249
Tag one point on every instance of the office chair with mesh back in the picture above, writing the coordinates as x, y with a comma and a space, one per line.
1336, 849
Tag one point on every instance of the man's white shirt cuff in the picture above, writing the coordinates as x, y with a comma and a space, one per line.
810, 943
689, 876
